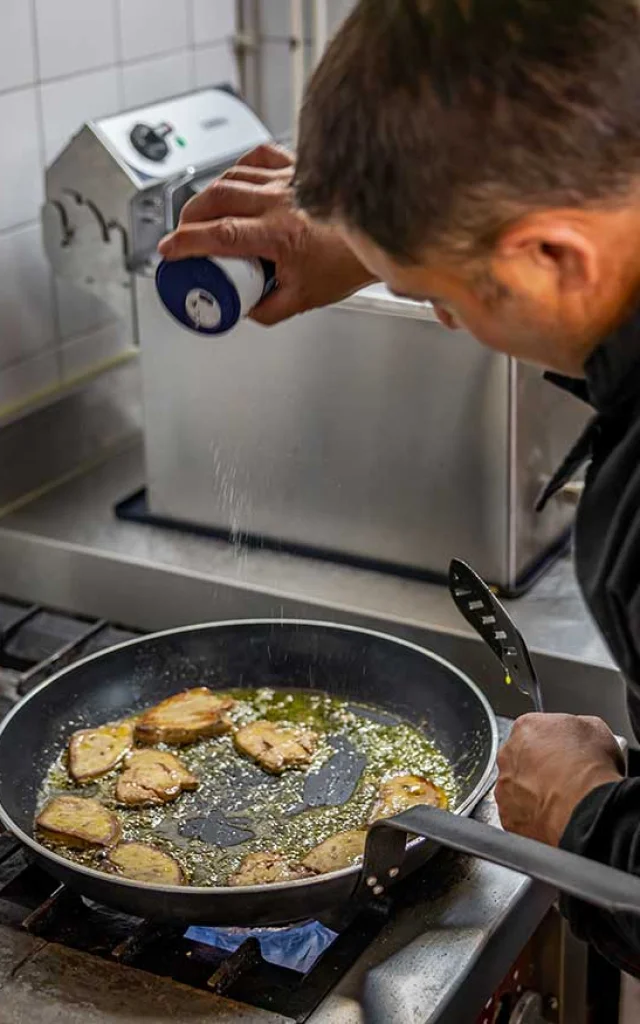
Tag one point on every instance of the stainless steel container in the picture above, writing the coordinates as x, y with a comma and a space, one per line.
366, 429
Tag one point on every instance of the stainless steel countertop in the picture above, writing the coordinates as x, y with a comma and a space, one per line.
79, 513
64, 469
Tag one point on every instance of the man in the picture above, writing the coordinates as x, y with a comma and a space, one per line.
485, 156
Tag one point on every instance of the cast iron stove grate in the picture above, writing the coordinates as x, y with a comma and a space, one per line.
31, 900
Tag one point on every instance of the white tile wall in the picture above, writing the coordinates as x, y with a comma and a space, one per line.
22, 186
212, 21
17, 49
26, 300
74, 35
216, 65
61, 63
155, 79
150, 27
68, 102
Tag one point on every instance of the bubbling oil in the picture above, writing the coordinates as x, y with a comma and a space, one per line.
240, 809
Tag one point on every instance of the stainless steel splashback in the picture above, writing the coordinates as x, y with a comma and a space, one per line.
365, 429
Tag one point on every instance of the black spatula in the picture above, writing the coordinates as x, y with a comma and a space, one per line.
482, 610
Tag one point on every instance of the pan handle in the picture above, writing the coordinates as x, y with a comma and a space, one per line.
596, 883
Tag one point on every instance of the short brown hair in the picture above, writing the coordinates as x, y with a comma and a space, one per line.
434, 123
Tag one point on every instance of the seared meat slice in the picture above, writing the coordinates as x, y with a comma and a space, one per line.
404, 791
266, 868
185, 718
276, 747
94, 752
144, 863
78, 822
339, 851
153, 777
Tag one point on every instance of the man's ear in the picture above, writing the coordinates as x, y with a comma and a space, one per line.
546, 243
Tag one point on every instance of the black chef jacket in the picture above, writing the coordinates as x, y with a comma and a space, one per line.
605, 826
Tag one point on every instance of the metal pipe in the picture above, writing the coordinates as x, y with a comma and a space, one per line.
248, 51
320, 28
296, 45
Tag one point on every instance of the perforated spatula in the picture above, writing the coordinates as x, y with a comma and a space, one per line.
482, 610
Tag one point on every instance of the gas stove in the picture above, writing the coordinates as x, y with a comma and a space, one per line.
458, 943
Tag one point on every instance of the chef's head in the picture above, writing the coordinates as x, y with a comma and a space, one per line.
485, 155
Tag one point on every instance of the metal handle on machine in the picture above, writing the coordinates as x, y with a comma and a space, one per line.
588, 880
488, 616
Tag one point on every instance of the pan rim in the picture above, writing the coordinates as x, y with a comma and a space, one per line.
464, 809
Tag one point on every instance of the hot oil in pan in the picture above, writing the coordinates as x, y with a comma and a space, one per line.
239, 809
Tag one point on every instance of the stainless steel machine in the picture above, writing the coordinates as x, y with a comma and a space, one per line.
365, 431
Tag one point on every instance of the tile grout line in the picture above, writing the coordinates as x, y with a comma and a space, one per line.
149, 59
62, 344
53, 292
119, 50
191, 34
20, 226
191, 24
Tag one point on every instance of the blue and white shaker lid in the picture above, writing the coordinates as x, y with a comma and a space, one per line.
209, 295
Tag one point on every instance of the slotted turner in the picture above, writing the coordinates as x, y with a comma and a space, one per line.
482, 610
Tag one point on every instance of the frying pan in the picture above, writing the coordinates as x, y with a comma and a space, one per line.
395, 677
398, 678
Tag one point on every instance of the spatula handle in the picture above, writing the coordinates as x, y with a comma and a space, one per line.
482, 610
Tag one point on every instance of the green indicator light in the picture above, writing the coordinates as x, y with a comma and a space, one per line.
180, 141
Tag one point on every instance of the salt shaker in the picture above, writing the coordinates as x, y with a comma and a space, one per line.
211, 294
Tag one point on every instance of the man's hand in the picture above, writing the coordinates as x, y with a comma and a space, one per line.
548, 765
250, 211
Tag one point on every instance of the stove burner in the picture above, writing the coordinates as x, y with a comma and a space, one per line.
297, 948
287, 971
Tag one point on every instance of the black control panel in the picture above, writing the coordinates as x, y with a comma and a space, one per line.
150, 141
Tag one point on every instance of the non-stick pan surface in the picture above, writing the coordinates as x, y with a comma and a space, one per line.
363, 666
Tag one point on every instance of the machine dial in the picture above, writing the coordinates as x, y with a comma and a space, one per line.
150, 141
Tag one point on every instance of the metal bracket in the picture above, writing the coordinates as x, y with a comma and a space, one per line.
383, 857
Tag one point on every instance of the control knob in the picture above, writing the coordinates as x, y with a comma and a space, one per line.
150, 141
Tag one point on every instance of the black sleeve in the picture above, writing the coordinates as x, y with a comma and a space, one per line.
605, 826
